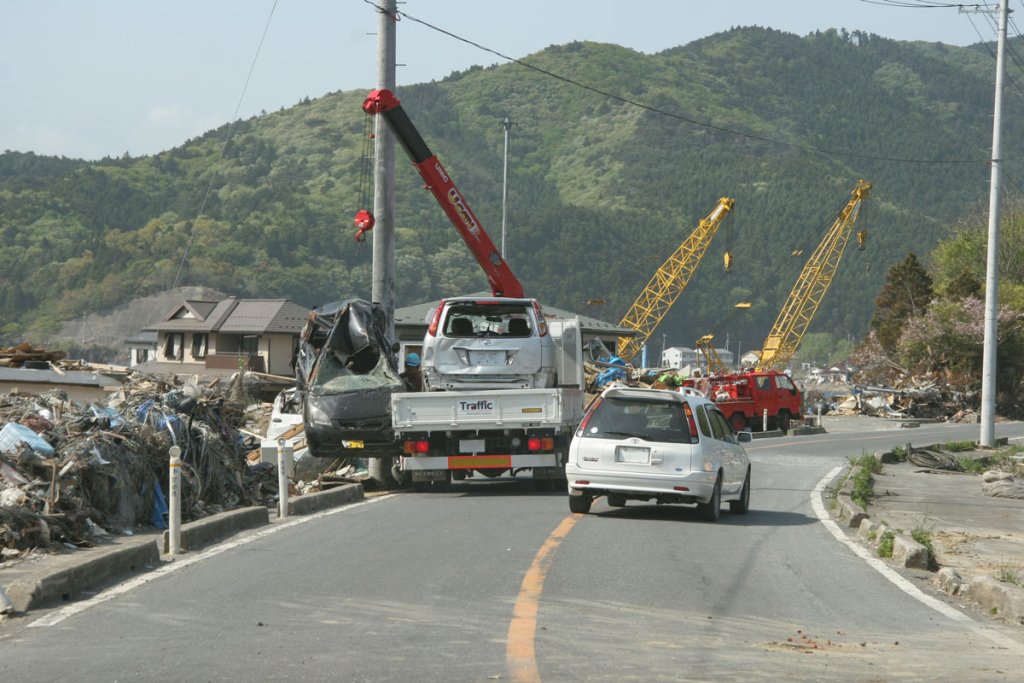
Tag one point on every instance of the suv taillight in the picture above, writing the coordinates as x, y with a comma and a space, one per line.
432, 330
542, 323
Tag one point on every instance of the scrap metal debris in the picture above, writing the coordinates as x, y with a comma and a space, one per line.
71, 472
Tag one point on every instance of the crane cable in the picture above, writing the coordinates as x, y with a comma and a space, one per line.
364, 219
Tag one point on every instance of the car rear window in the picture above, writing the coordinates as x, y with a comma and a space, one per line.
487, 320
651, 420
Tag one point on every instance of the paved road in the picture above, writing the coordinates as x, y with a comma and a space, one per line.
493, 581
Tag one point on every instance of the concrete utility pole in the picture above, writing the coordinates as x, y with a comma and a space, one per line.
988, 372
507, 124
384, 198
384, 172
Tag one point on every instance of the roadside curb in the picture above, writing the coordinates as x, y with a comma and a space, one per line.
998, 598
68, 575
60, 578
203, 531
321, 500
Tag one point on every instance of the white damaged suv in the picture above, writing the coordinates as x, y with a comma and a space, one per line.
652, 444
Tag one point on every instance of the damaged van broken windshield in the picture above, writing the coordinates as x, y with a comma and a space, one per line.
346, 369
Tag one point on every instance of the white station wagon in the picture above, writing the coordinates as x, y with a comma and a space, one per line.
652, 444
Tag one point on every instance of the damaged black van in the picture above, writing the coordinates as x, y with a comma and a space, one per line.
346, 369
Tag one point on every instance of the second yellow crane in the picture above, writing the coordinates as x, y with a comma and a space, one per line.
810, 287
668, 283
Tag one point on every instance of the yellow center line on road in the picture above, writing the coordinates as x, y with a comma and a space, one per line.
520, 653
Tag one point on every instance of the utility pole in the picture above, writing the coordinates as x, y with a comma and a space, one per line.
383, 291
507, 124
988, 371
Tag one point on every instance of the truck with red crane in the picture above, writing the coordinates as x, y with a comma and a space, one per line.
504, 383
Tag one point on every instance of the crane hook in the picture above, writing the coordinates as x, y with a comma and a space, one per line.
364, 221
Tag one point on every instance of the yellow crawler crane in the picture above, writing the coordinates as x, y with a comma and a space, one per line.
668, 282
810, 287
713, 362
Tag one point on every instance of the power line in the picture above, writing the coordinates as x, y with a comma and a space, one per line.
223, 149
679, 117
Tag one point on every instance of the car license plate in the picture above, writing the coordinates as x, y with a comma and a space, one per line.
487, 357
633, 454
352, 444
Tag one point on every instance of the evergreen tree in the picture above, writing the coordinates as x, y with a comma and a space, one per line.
906, 294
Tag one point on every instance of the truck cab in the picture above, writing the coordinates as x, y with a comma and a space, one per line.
475, 343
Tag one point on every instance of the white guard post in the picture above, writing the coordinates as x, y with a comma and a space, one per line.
174, 502
764, 421
282, 481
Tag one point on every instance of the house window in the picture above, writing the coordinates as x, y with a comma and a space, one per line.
141, 355
250, 344
199, 345
174, 347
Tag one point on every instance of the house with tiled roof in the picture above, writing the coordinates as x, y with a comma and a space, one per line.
215, 337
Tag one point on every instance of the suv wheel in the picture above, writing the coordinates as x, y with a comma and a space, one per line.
580, 504
711, 510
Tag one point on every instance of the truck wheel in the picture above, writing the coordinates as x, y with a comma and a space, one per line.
783, 421
739, 422
421, 486
580, 504
458, 475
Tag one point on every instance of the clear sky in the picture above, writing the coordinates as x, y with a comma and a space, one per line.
92, 78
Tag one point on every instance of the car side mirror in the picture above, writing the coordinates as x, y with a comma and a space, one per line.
744, 437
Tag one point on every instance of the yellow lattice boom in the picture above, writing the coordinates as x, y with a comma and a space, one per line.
811, 286
668, 282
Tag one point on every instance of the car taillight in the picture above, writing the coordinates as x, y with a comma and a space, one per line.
586, 418
432, 330
537, 443
690, 422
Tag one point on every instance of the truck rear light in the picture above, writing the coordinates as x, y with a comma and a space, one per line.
537, 443
582, 482
412, 447
680, 488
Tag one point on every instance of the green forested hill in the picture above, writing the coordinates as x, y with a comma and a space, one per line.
601, 190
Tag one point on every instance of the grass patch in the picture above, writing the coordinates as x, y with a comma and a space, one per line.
863, 490
1008, 574
973, 465
886, 543
922, 533
959, 446
899, 453
867, 461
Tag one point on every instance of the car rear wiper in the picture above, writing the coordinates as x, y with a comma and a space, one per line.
636, 436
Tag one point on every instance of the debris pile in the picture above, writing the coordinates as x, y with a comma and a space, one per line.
70, 473
25, 355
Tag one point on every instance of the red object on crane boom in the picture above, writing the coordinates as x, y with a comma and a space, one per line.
500, 277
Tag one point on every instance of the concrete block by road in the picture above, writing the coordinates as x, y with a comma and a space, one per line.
322, 500
999, 598
67, 575
909, 553
215, 527
849, 512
